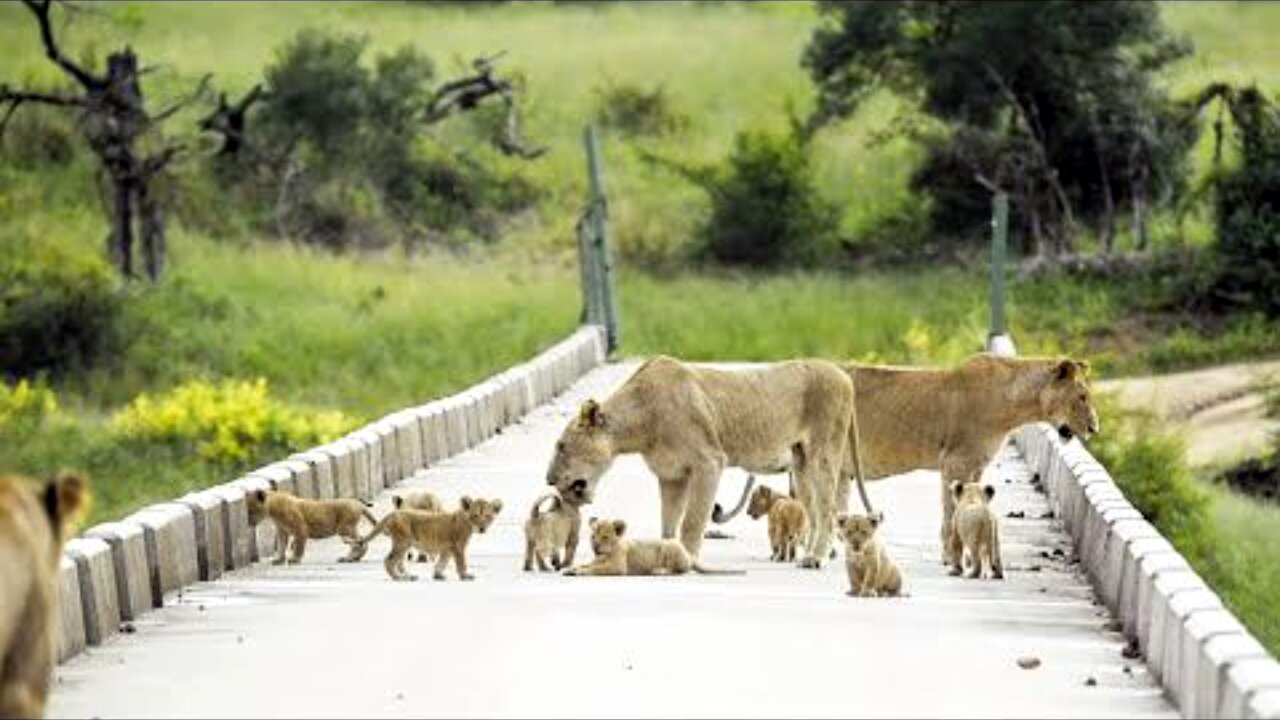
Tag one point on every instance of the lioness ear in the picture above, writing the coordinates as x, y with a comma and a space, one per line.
261, 495
1083, 366
497, 505
589, 415
989, 491
465, 502
1067, 369
66, 500
876, 519
841, 521
619, 526
957, 488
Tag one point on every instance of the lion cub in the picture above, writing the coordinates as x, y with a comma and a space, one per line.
871, 571
418, 500
546, 532
788, 521
975, 530
299, 520
34, 522
616, 555
440, 533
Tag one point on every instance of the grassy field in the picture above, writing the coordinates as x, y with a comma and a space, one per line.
369, 334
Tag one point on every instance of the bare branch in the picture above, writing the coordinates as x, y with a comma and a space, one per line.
40, 8
15, 98
169, 111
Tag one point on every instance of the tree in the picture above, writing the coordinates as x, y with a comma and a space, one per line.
1050, 101
114, 121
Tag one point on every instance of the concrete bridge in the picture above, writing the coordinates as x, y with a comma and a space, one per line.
1086, 577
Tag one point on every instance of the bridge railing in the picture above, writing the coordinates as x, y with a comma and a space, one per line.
1206, 660
116, 572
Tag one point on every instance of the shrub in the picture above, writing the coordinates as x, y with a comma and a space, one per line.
232, 422
58, 309
632, 110
24, 406
320, 90
38, 137
766, 209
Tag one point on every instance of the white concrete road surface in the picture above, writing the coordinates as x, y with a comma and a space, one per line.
328, 640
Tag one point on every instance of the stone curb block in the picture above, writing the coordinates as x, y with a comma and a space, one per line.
129, 564
71, 631
391, 473
1206, 661
372, 442
237, 536
408, 442
342, 464
96, 576
211, 526
170, 533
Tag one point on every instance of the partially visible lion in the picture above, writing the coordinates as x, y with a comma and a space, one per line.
298, 520
975, 531
955, 421
618, 555
34, 524
689, 423
788, 521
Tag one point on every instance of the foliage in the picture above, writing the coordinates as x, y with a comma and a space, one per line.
24, 406
58, 308
1064, 122
632, 110
233, 421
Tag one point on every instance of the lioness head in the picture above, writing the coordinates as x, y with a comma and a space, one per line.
972, 492
1065, 400
583, 453
606, 535
480, 512
761, 502
857, 530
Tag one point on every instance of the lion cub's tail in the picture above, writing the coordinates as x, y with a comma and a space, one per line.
373, 520
379, 527
555, 505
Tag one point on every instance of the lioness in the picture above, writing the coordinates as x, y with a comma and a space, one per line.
689, 423
33, 526
956, 420
548, 532
442, 534
871, 571
975, 530
298, 520
788, 521
616, 555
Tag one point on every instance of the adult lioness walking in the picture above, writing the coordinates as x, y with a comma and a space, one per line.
689, 423
955, 420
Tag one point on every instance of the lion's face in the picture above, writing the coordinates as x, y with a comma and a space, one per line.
480, 512
761, 502
583, 453
857, 530
255, 504
606, 535
1067, 403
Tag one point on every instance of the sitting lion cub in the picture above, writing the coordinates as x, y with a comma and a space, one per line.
616, 555
975, 530
871, 571
546, 532
439, 533
788, 521
300, 520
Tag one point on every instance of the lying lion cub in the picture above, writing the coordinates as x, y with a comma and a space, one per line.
546, 532
616, 555
300, 520
974, 530
788, 521
871, 571
440, 533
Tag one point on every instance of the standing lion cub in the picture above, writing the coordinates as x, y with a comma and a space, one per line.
442, 534
547, 532
871, 571
788, 521
616, 555
299, 520
974, 530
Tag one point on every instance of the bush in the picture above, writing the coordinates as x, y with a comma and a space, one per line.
632, 110
25, 406
766, 209
58, 310
232, 422
38, 137
320, 90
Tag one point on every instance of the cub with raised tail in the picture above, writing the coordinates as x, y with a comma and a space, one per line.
549, 531
445, 535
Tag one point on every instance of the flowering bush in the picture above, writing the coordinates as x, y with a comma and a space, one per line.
234, 421
25, 405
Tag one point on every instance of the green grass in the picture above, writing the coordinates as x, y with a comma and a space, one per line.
1247, 574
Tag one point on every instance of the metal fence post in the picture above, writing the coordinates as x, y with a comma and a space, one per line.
998, 341
598, 261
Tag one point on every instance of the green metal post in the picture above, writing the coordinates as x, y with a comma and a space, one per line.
598, 219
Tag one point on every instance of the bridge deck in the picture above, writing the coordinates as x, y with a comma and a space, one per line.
323, 639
